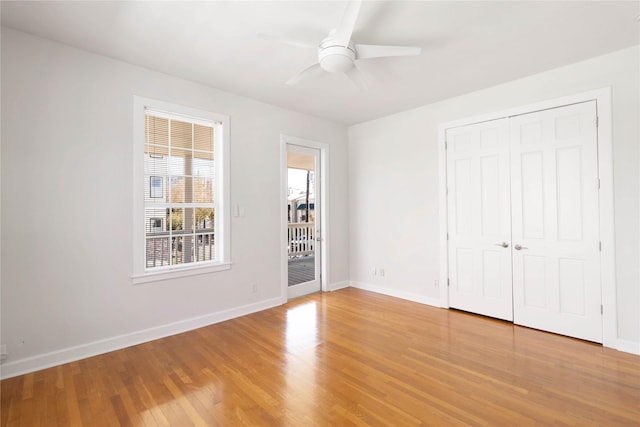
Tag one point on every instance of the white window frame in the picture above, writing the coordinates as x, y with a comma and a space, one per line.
221, 196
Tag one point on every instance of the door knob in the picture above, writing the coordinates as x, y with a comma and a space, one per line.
518, 247
503, 244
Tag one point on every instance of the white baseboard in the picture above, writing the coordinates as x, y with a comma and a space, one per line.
435, 302
627, 346
339, 285
70, 354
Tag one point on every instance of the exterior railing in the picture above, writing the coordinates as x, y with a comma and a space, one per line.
300, 239
179, 247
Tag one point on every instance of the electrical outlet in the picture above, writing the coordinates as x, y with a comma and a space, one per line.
3, 352
375, 272
382, 272
436, 283
254, 288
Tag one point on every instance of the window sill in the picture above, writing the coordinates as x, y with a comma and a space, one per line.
178, 273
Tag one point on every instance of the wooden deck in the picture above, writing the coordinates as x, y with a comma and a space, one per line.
301, 269
343, 358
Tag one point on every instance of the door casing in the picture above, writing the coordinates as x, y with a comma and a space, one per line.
606, 213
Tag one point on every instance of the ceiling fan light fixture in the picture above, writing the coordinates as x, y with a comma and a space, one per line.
336, 59
337, 53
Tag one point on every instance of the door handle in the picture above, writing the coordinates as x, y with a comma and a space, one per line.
503, 244
518, 247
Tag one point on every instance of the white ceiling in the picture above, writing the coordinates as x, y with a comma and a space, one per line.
466, 45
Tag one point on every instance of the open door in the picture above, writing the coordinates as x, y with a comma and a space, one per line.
303, 220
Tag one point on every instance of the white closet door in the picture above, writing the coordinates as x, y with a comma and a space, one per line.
554, 191
479, 219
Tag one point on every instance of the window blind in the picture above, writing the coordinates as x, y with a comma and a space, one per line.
179, 182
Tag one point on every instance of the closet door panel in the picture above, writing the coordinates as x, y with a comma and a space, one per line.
479, 219
554, 194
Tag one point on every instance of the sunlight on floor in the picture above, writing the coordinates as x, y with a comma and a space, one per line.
302, 359
302, 327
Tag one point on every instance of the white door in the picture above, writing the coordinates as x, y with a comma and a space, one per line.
554, 191
303, 221
479, 219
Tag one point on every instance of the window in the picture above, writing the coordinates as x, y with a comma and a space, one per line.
156, 225
181, 190
156, 183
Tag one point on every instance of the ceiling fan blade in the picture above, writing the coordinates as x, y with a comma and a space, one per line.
303, 74
356, 76
364, 51
290, 42
348, 23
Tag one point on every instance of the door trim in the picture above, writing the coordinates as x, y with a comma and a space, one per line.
606, 207
324, 209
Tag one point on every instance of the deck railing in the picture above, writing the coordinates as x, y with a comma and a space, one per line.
300, 239
179, 247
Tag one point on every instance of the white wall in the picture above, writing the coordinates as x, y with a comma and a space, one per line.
393, 181
67, 205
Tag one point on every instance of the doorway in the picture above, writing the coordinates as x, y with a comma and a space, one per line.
303, 182
524, 217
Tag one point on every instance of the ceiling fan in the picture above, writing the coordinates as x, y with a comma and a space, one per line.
337, 53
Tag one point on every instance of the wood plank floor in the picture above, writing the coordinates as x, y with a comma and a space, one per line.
347, 358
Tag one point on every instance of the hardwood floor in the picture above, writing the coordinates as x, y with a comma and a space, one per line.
345, 358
